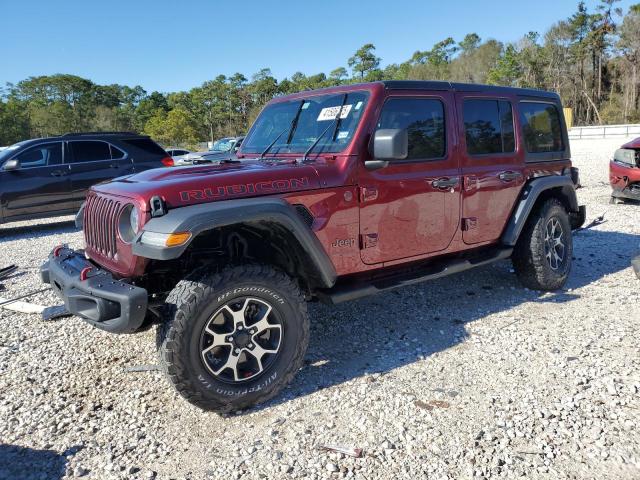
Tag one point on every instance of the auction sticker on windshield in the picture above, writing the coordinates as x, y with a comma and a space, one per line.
329, 113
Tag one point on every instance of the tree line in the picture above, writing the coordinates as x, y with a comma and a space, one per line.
592, 59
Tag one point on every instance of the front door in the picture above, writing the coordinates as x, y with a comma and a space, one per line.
412, 206
94, 161
492, 166
39, 187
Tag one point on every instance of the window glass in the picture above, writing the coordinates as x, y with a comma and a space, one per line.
116, 153
541, 127
88, 151
488, 126
294, 126
424, 121
146, 145
47, 154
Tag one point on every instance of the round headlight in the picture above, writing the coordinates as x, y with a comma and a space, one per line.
128, 223
133, 220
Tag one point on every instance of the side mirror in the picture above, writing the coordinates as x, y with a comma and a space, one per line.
13, 164
388, 144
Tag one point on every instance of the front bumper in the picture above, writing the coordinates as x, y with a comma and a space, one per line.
101, 300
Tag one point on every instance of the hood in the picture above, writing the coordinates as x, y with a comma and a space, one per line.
206, 183
635, 143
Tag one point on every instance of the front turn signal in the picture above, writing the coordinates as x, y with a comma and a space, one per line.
177, 239
165, 239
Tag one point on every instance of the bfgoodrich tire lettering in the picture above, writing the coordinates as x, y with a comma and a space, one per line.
542, 256
191, 306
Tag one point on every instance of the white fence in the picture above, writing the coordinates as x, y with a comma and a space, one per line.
604, 131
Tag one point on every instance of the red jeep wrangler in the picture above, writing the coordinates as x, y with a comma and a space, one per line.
624, 172
336, 194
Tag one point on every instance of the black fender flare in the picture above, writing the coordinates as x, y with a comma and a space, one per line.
208, 216
563, 187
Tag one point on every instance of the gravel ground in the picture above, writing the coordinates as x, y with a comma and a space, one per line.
502, 382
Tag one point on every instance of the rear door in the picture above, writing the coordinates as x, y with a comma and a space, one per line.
412, 206
492, 165
40, 186
92, 162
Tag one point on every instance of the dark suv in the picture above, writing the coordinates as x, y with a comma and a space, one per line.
47, 177
340, 193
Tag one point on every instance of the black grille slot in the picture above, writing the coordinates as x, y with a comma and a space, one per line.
100, 224
304, 214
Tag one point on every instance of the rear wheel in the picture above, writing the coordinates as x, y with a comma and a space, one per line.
542, 256
235, 338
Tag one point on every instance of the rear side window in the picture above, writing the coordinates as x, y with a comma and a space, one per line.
541, 127
88, 151
423, 119
488, 127
116, 153
147, 145
47, 154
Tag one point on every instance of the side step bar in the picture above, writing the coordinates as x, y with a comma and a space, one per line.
353, 290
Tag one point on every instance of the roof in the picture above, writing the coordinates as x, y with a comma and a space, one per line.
464, 87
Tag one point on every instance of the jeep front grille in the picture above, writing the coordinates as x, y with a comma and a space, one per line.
100, 222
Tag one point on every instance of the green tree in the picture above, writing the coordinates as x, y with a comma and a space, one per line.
364, 61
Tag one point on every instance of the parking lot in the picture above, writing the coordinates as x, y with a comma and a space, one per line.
467, 376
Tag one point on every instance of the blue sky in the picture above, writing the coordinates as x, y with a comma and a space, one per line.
169, 46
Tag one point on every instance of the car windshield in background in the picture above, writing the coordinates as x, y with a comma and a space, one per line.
312, 117
224, 145
6, 153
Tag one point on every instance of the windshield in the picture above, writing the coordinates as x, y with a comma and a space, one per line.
223, 145
314, 115
9, 151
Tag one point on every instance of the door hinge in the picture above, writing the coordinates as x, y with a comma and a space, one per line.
469, 223
368, 240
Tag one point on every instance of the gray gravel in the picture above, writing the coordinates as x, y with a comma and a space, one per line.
468, 376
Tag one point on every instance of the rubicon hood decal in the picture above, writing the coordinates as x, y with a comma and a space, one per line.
266, 187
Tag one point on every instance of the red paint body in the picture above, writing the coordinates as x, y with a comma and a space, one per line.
621, 175
394, 211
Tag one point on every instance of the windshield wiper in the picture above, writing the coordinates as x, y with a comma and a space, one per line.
291, 128
334, 123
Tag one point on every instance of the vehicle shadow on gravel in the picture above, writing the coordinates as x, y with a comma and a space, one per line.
20, 232
27, 463
378, 334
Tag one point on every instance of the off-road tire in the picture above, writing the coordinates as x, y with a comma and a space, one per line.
190, 306
529, 258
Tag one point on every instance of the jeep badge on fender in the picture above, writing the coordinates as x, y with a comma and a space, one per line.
338, 193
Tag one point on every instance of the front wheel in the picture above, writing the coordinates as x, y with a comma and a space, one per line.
235, 338
542, 256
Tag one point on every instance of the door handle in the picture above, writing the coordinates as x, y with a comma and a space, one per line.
58, 173
445, 183
114, 165
509, 176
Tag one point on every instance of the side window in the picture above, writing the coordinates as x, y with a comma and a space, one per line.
541, 127
116, 153
423, 118
488, 127
88, 151
47, 154
146, 145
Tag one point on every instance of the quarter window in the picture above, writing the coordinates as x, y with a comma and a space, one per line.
423, 119
88, 151
48, 154
116, 153
541, 127
488, 127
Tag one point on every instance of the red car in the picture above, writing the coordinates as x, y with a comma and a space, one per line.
624, 172
340, 193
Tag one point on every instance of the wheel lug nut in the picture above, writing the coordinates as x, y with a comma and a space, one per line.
237, 351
